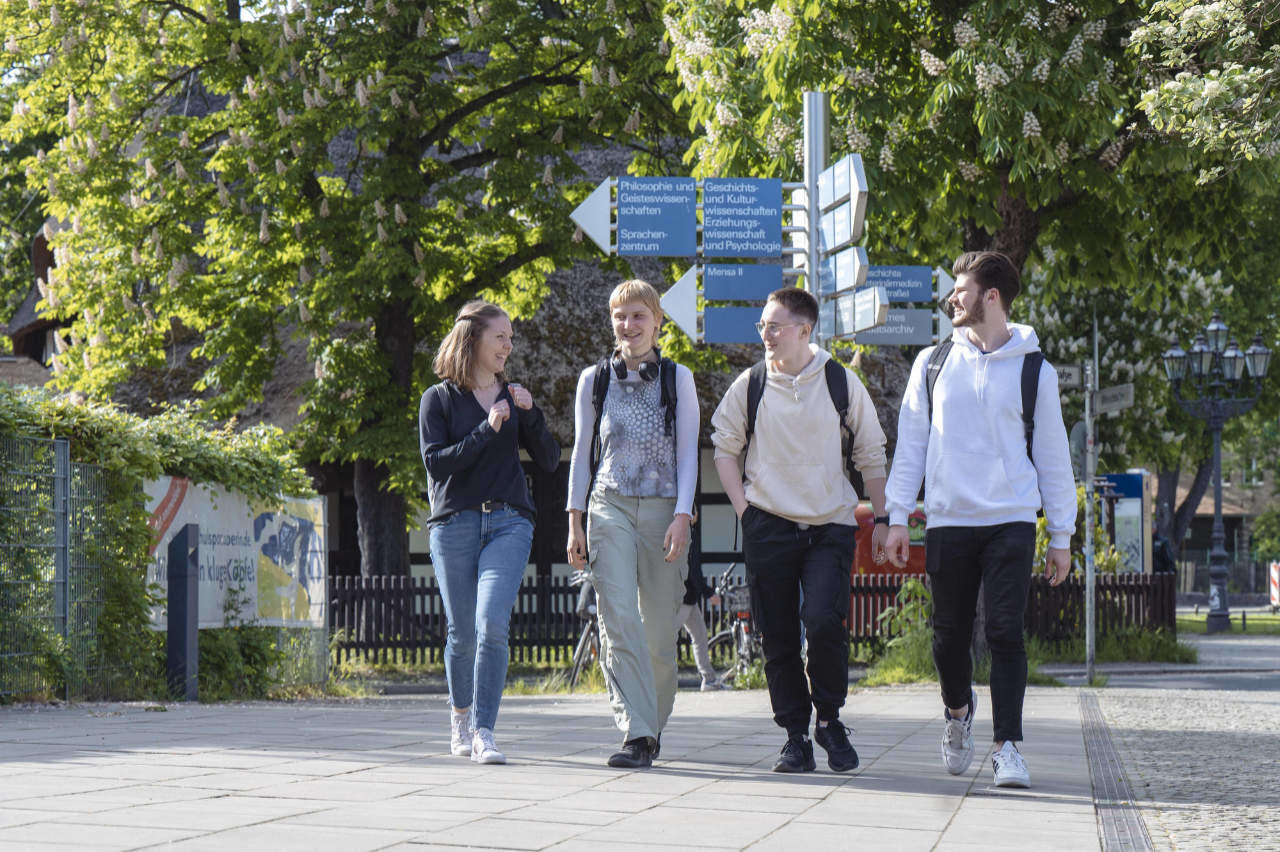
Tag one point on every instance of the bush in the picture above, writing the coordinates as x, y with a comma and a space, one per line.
120, 655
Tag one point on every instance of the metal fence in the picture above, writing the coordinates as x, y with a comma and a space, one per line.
51, 592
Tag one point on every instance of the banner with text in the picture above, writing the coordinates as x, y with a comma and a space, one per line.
266, 559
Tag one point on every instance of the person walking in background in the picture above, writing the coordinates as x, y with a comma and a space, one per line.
796, 505
470, 428
633, 474
690, 618
981, 423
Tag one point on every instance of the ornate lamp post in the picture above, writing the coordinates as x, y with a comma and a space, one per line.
1208, 382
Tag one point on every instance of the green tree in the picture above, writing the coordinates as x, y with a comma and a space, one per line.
997, 125
1214, 72
233, 173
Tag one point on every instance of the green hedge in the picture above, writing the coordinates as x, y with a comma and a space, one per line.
257, 462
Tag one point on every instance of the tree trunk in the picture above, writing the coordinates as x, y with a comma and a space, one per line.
1172, 522
382, 520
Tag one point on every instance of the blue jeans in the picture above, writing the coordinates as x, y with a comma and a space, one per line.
479, 558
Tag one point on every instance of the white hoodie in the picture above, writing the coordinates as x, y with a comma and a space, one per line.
973, 457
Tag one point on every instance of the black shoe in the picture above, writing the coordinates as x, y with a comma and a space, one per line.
835, 739
635, 754
796, 756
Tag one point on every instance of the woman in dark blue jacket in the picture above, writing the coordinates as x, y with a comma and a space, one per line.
471, 426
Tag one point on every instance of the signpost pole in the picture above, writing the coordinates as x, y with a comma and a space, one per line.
816, 151
1090, 463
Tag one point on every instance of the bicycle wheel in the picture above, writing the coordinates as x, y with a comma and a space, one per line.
586, 654
723, 650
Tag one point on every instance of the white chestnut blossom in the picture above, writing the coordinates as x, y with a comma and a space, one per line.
933, 66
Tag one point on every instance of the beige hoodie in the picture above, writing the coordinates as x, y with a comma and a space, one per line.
793, 466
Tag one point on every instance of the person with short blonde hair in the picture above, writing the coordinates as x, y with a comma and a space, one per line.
633, 475
470, 428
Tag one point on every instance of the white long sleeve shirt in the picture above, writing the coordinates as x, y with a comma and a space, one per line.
973, 456
621, 463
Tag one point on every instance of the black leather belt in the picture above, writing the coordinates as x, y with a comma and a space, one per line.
491, 506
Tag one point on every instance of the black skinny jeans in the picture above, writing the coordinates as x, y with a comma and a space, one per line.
997, 558
781, 560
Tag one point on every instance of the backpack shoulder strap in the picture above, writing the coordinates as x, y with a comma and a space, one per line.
755, 392
667, 378
599, 389
1030, 389
838, 388
937, 358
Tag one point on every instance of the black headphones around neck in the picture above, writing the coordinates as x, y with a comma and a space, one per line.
648, 370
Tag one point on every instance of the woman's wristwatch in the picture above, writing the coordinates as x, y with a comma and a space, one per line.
882, 519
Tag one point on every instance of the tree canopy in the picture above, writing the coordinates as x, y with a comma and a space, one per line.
351, 173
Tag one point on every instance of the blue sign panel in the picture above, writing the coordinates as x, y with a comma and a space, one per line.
904, 283
840, 271
1119, 485
657, 216
742, 217
903, 327
730, 325
746, 281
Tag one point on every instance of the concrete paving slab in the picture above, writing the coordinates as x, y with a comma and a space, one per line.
377, 774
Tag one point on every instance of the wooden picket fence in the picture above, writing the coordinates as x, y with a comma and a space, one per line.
401, 619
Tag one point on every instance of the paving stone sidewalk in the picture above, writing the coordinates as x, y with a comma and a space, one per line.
376, 774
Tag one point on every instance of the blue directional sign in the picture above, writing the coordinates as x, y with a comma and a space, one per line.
904, 283
730, 325
844, 270
902, 327
657, 216
746, 281
741, 217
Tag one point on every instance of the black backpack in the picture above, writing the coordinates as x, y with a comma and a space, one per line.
1030, 385
600, 388
837, 387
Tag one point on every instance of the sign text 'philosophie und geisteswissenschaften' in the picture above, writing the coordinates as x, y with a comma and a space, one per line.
741, 217
657, 216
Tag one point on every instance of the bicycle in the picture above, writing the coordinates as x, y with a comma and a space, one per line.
587, 652
738, 641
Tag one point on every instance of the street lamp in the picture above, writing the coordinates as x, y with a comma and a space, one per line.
1209, 384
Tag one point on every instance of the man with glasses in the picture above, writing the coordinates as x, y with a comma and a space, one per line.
796, 505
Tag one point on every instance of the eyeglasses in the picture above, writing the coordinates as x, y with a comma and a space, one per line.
769, 329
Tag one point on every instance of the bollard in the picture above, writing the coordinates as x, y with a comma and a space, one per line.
1244, 621
184, 613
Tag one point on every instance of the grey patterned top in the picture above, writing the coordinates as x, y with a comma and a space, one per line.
637, 458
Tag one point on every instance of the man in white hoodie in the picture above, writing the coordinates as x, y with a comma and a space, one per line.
796, 505
984, 480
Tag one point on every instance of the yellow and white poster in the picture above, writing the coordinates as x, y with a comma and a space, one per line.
261, 562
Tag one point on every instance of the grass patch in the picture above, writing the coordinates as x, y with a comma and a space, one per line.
1256, 624
1126, 646
554, 682
909, 659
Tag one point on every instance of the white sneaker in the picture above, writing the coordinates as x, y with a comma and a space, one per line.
957, 738
483, 749
460, 732
1010, 768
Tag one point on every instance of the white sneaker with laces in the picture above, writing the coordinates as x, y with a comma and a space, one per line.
957, 738
483, 748
460, 732
1010, 768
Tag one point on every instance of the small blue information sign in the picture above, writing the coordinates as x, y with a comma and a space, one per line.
657, 216
722, 282
741, 217
903, 283
902, 327
730, 325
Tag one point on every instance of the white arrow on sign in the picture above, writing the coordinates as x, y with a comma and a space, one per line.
870, 308
595, 216
680, 303
945, 285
